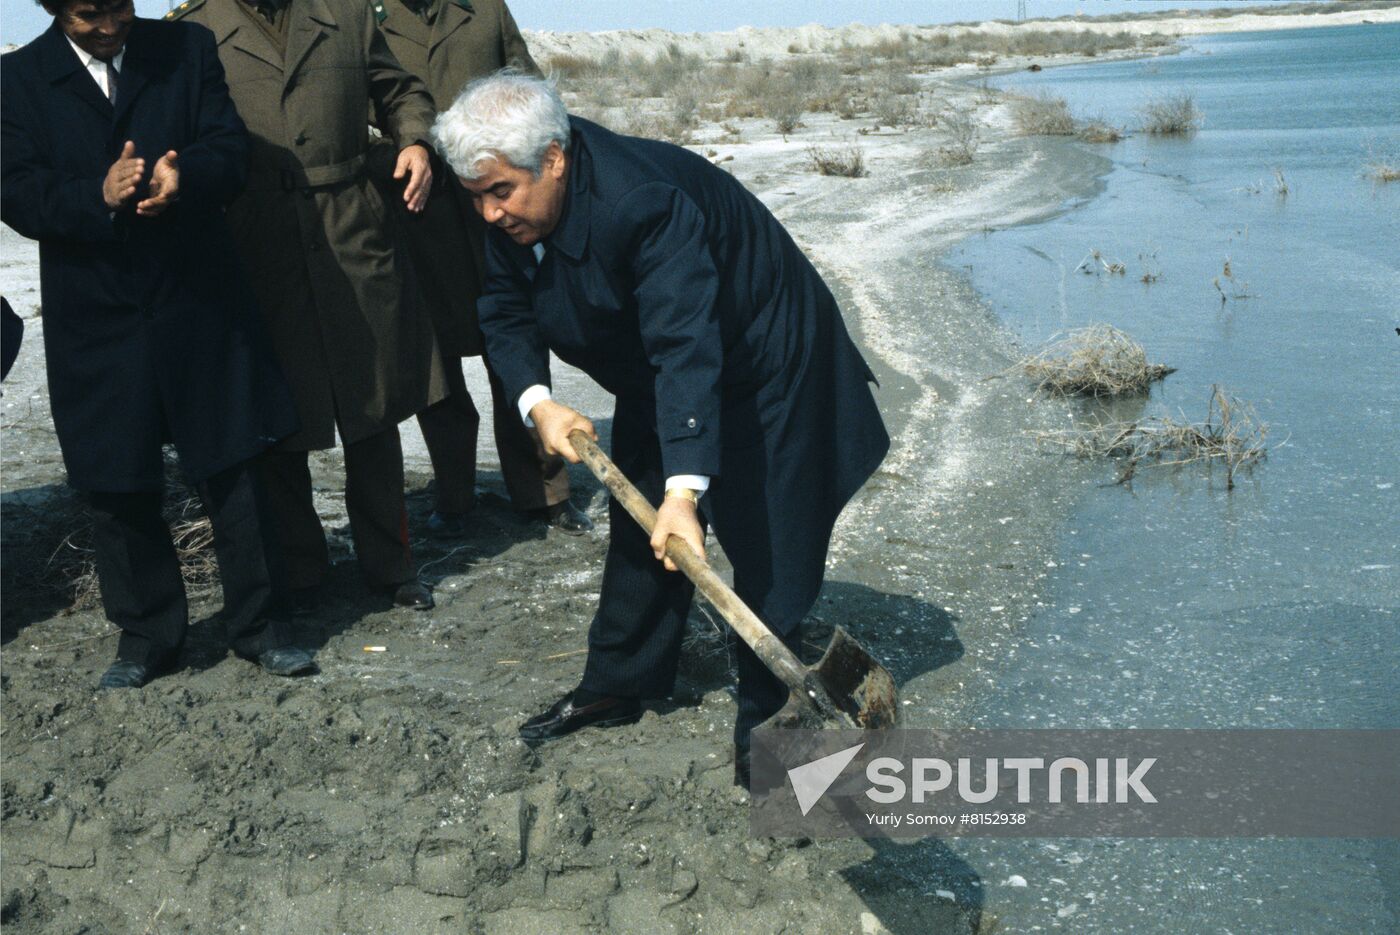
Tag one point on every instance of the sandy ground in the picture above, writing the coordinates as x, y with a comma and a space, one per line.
389, 793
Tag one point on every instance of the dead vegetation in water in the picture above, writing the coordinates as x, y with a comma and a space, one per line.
1231, 434
1095, 262
1042, 115
1384, 172
1097, 361
844, 161
1095, 130
1380, 166
1228, 286
1171, 115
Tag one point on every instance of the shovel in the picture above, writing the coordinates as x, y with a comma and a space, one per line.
846, 688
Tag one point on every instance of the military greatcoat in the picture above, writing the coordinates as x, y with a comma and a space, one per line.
450, 44
355, 343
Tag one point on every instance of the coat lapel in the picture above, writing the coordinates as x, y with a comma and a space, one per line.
404, 22
61, 67
311, 19
230, 25
136, 70
454, 13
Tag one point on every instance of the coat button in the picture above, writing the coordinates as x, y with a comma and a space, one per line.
300, 140
690, 423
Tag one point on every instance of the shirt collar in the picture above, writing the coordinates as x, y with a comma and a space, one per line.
88, 59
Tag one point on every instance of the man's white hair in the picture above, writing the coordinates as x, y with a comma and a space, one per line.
508, 116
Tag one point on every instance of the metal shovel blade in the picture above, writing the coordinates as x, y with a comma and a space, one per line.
846, 688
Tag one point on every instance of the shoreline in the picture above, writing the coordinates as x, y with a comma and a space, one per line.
785, 41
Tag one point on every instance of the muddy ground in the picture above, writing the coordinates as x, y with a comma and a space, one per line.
389, 793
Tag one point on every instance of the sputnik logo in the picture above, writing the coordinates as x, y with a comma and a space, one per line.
811, 780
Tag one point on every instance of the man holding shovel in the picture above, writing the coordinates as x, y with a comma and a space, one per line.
742, 402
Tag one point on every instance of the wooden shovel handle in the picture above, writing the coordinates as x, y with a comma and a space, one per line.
736, 613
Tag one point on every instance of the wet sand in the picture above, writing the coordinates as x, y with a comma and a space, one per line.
389, 793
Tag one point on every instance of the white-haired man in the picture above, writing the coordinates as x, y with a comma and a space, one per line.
741, 400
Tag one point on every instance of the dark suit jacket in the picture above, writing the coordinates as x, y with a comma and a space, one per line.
150, 331
675, 289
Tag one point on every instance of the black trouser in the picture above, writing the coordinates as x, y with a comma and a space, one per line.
634, 643
139, 574
533, 479
373, 500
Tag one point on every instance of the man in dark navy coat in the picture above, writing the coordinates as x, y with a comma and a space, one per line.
740, 395
119, 150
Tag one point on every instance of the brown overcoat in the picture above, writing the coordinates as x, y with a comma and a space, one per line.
466, 39
354, 342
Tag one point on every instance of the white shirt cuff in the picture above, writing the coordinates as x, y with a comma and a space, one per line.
529, 398
696, 482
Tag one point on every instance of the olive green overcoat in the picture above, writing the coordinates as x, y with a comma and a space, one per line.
465, 40
355, 343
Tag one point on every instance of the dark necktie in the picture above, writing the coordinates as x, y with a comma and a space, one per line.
112, 76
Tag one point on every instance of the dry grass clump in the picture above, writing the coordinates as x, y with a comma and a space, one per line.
845, 161
1042, 115
961, 146
1172, 115
894, 110
70, 570
1099, 131
1231, 434
944, 49
1095, 361
1383, 170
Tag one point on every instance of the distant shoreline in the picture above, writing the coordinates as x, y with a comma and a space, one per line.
784, 41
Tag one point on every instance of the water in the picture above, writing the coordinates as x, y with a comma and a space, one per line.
1179, 603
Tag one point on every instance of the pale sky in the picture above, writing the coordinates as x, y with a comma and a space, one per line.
22, 20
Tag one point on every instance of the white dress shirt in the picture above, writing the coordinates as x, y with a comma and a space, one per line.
100, 70
539, 392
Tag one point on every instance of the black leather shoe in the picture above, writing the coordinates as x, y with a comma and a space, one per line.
565, 718
286, 661
124, 674
414, 596
447, 525
567, 518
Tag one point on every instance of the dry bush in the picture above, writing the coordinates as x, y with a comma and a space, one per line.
1172, 115
1042, 115
823, 86
568, 67
845, 161
1231, 433
961, 146
1099, 131
784, 103
1095, 361
894, 110
663, 75
654, 126
897, 81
